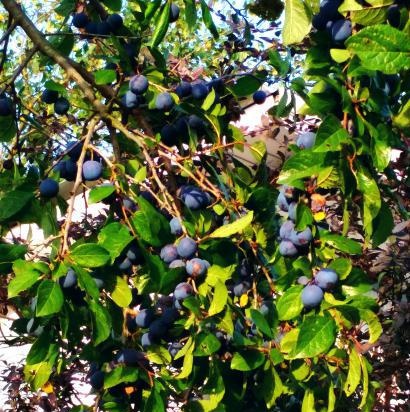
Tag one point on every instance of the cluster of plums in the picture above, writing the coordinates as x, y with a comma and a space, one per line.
110, 25
292, 240
331, 20
92, 170
61, 104
312, 294
6, 106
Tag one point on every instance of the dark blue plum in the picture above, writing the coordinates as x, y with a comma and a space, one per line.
169, 316
130, 100
130, 324
164, 102
138, 84
69, 171
99, 283
326, 279
184, 89
287, 248
175, 226
177, 263
49, 96
6, 106
306, 140
241, 288
144, 318
195, 122
48, 188
174, 348
173, 13
341, 30
303, 280
92, 170
61, 105
91, 28
181, 124
157, 330
187, 247
146, 341
301, 238
196, 267
134, 254
97, 380
319, 21
69, 280
194, 198
182, 291
74, 150
130, 357
103, 28
124, 264
169, 253
286, 229
199, 90
169, 135
259, 97
80, 20
115, 21
292, 211
312, 296
282, 202
328, 8
394, 15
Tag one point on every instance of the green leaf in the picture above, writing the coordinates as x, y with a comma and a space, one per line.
354, 374
8, 254
99, 193
261, 323
297, 22
206, 344
402, 119
13, 202
90, 255
101, 326
247, 360
188, 360
383, 225
114, 5
281, 65
272, 387
105, 76
219, 300
154, 403
37, 375
219, 273
371, 199
341, 243
304, 217
209, 100
380, 147
119, 375
308, 403
207, 18
52, 85
381, 47
213, 391
50, 298
39, 350
161, 26
258, 150
316, 336
330, 135
26, 275
245, 86
8, 130
290, 305
232, 228
375, 327
339, 55
65, 7
121, 294
342, 266
190, 14
114, 238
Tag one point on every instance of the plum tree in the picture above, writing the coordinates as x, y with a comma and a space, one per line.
157, 112
92, 170
326, 278
49, 188
312, 296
